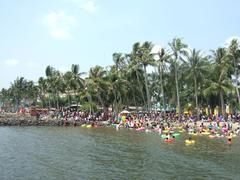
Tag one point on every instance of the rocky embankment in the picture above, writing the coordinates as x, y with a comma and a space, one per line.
27, 120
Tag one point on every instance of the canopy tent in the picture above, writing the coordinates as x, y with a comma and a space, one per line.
125, 112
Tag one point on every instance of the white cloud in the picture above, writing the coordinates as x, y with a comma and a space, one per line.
12, 62
60, 24
89, 6
228, 41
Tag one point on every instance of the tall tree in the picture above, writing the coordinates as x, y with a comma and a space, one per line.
163, 58
220, 83
196, 66
96, 82
135, 69
234, 55
78, 82
178, 49
145, 59
42, 86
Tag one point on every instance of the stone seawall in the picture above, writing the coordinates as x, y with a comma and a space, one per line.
27, 120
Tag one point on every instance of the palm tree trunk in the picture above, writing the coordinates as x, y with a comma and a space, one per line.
75, 93
238, 96
68, 96
141, 88
115, 100
101, 101
196, 96
41, 97
236, 76
120, 98
49, 103
57, 102
134, 100
222, 102
147, 90
177, 91
162, 90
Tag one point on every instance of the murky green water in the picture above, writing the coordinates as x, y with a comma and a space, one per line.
103, 153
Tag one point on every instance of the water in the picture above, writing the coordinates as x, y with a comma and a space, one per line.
103, 153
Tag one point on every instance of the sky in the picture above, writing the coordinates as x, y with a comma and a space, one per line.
35, 34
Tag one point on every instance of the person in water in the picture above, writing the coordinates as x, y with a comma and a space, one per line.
168, 136
229, 140
210, 126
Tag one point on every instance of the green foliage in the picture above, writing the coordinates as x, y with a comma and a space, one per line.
181, 76
87, 106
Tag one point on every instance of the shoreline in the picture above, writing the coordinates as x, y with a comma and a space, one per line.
28, 120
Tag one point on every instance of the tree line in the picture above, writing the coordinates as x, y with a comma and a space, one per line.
182, 78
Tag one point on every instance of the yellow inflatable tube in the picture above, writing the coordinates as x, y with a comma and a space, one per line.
189, 141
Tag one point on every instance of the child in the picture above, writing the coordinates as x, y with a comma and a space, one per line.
229, 140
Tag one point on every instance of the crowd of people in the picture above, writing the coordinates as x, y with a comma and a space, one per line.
168, 124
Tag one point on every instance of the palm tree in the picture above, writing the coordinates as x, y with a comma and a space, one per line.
96, 82
145, 59
135, 69
77, 82
18, 90
178, 49
4, 96
234, 55
49, 72
163, 57
134, 76
119, 60
54, 84
117, 88
68, 83
196, 66
31, 92
58, 86
42, 86
219, 83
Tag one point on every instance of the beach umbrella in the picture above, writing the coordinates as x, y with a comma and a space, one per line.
125, 112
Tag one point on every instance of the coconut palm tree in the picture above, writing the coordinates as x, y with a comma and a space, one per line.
145, 59
78, 83
118, 88
4, 96
234, 55
68, 84
31, 92
18, 90
135, 78
119, 61
42, 89
220, 82
49, 72
163, 58
54, 84
96, 82
135, 69
196, 66
178, 49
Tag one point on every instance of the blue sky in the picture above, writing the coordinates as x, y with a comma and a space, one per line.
34, 34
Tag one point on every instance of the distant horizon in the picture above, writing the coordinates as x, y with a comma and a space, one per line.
87, 32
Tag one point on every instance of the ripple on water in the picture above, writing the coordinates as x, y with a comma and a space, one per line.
103, 153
